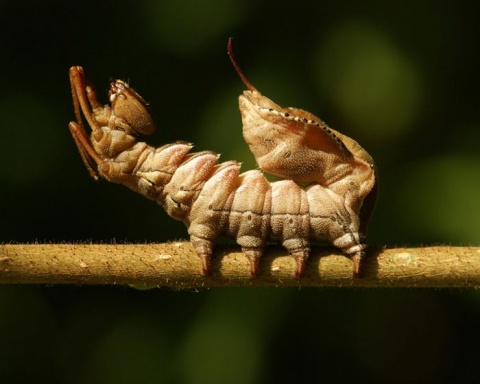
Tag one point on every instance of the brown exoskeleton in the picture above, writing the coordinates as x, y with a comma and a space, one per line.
215, 199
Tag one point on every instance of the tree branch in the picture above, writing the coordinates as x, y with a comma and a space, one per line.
177, 266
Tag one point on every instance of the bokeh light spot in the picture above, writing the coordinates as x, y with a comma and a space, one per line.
31, 131
188, 26
369, 81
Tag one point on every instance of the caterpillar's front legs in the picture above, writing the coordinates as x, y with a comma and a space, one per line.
88, 154
83, 95
110, 150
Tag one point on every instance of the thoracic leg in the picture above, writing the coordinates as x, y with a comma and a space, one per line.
88, 154
84, 96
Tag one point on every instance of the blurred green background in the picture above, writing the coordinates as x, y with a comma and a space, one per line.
401, 78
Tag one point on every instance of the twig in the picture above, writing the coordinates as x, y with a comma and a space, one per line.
176, 265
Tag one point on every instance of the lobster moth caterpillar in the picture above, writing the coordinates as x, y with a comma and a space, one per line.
214, 199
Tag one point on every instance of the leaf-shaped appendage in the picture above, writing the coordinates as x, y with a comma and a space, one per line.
216, 199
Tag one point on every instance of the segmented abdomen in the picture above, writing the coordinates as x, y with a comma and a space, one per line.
215, 199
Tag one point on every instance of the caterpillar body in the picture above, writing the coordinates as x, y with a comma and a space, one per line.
215, 199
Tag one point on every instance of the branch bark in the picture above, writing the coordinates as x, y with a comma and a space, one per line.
177, 266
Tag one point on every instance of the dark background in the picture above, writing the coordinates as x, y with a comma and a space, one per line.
400, 78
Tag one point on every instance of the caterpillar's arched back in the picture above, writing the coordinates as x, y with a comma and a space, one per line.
215, 199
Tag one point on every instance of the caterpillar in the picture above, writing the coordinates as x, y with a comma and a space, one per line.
215, 199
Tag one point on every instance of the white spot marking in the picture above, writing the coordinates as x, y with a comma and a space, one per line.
403, 258
164, 257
